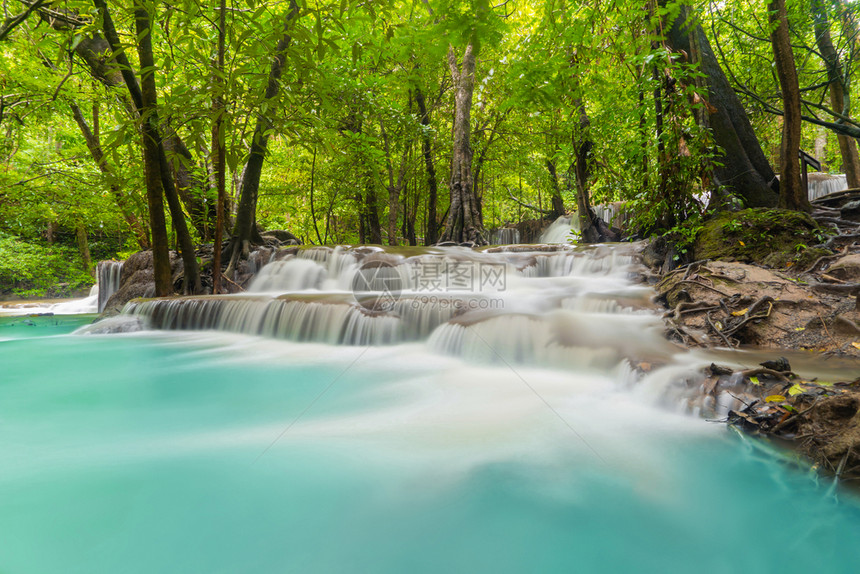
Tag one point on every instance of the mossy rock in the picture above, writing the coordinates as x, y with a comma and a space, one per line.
772, 236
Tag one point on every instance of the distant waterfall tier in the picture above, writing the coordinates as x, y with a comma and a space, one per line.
108, 274
821, 184
561, 230
505, 236
374, 296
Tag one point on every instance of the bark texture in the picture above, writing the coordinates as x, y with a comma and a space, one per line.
840, 98
431, 234
155, 148
464, 219
219, 159
792, 193
245, 226
745, 170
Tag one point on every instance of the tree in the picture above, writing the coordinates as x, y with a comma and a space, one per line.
792, 194
464, 220
742, 166
244, 231
159, 181
839, 90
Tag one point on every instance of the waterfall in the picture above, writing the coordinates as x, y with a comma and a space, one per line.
505, 236
108, 274
560, 230
821, 184
557, 307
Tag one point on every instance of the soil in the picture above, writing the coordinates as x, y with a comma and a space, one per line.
776, 280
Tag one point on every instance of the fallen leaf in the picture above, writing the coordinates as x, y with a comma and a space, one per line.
856, 345
741, 312
775, 399
795, 390
800, 328
754, 380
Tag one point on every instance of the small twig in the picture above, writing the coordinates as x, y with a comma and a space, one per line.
691, 267
765, 371
232, 282
718, 332
784, 423
832, 278
751, 316
842, 463
823, 324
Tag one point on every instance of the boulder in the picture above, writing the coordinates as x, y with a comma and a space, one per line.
137, 280
846, 268
851, 211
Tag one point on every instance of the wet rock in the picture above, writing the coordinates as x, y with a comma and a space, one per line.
781, 365
851, 211
137, 280
111, 325
655, 252
281, 236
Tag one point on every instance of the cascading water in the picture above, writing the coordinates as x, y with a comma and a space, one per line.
420, 410
108, 274
821, 184
505, 236
560, 231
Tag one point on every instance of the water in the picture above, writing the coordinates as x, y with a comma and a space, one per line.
561, 230
108, 274
499, 440
505, 236
821, 184
88, 304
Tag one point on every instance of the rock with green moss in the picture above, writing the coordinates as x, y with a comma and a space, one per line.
775, 237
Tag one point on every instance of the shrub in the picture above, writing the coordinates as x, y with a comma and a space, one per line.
33, 270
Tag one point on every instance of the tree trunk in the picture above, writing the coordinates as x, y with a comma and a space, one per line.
744, 168
190, 187
154, 193
96, 152
218, 147
792, 194
83, 246
589, 230
149, 115
557, 201
370, 213
840, 99
464, 221
395, 187
431, 234
245, 226
145, 102
115, 70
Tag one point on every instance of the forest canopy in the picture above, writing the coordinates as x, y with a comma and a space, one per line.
402, 122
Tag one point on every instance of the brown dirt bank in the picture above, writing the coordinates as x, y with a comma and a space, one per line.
778, 300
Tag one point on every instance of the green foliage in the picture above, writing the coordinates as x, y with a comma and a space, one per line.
31, 270
345, 128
